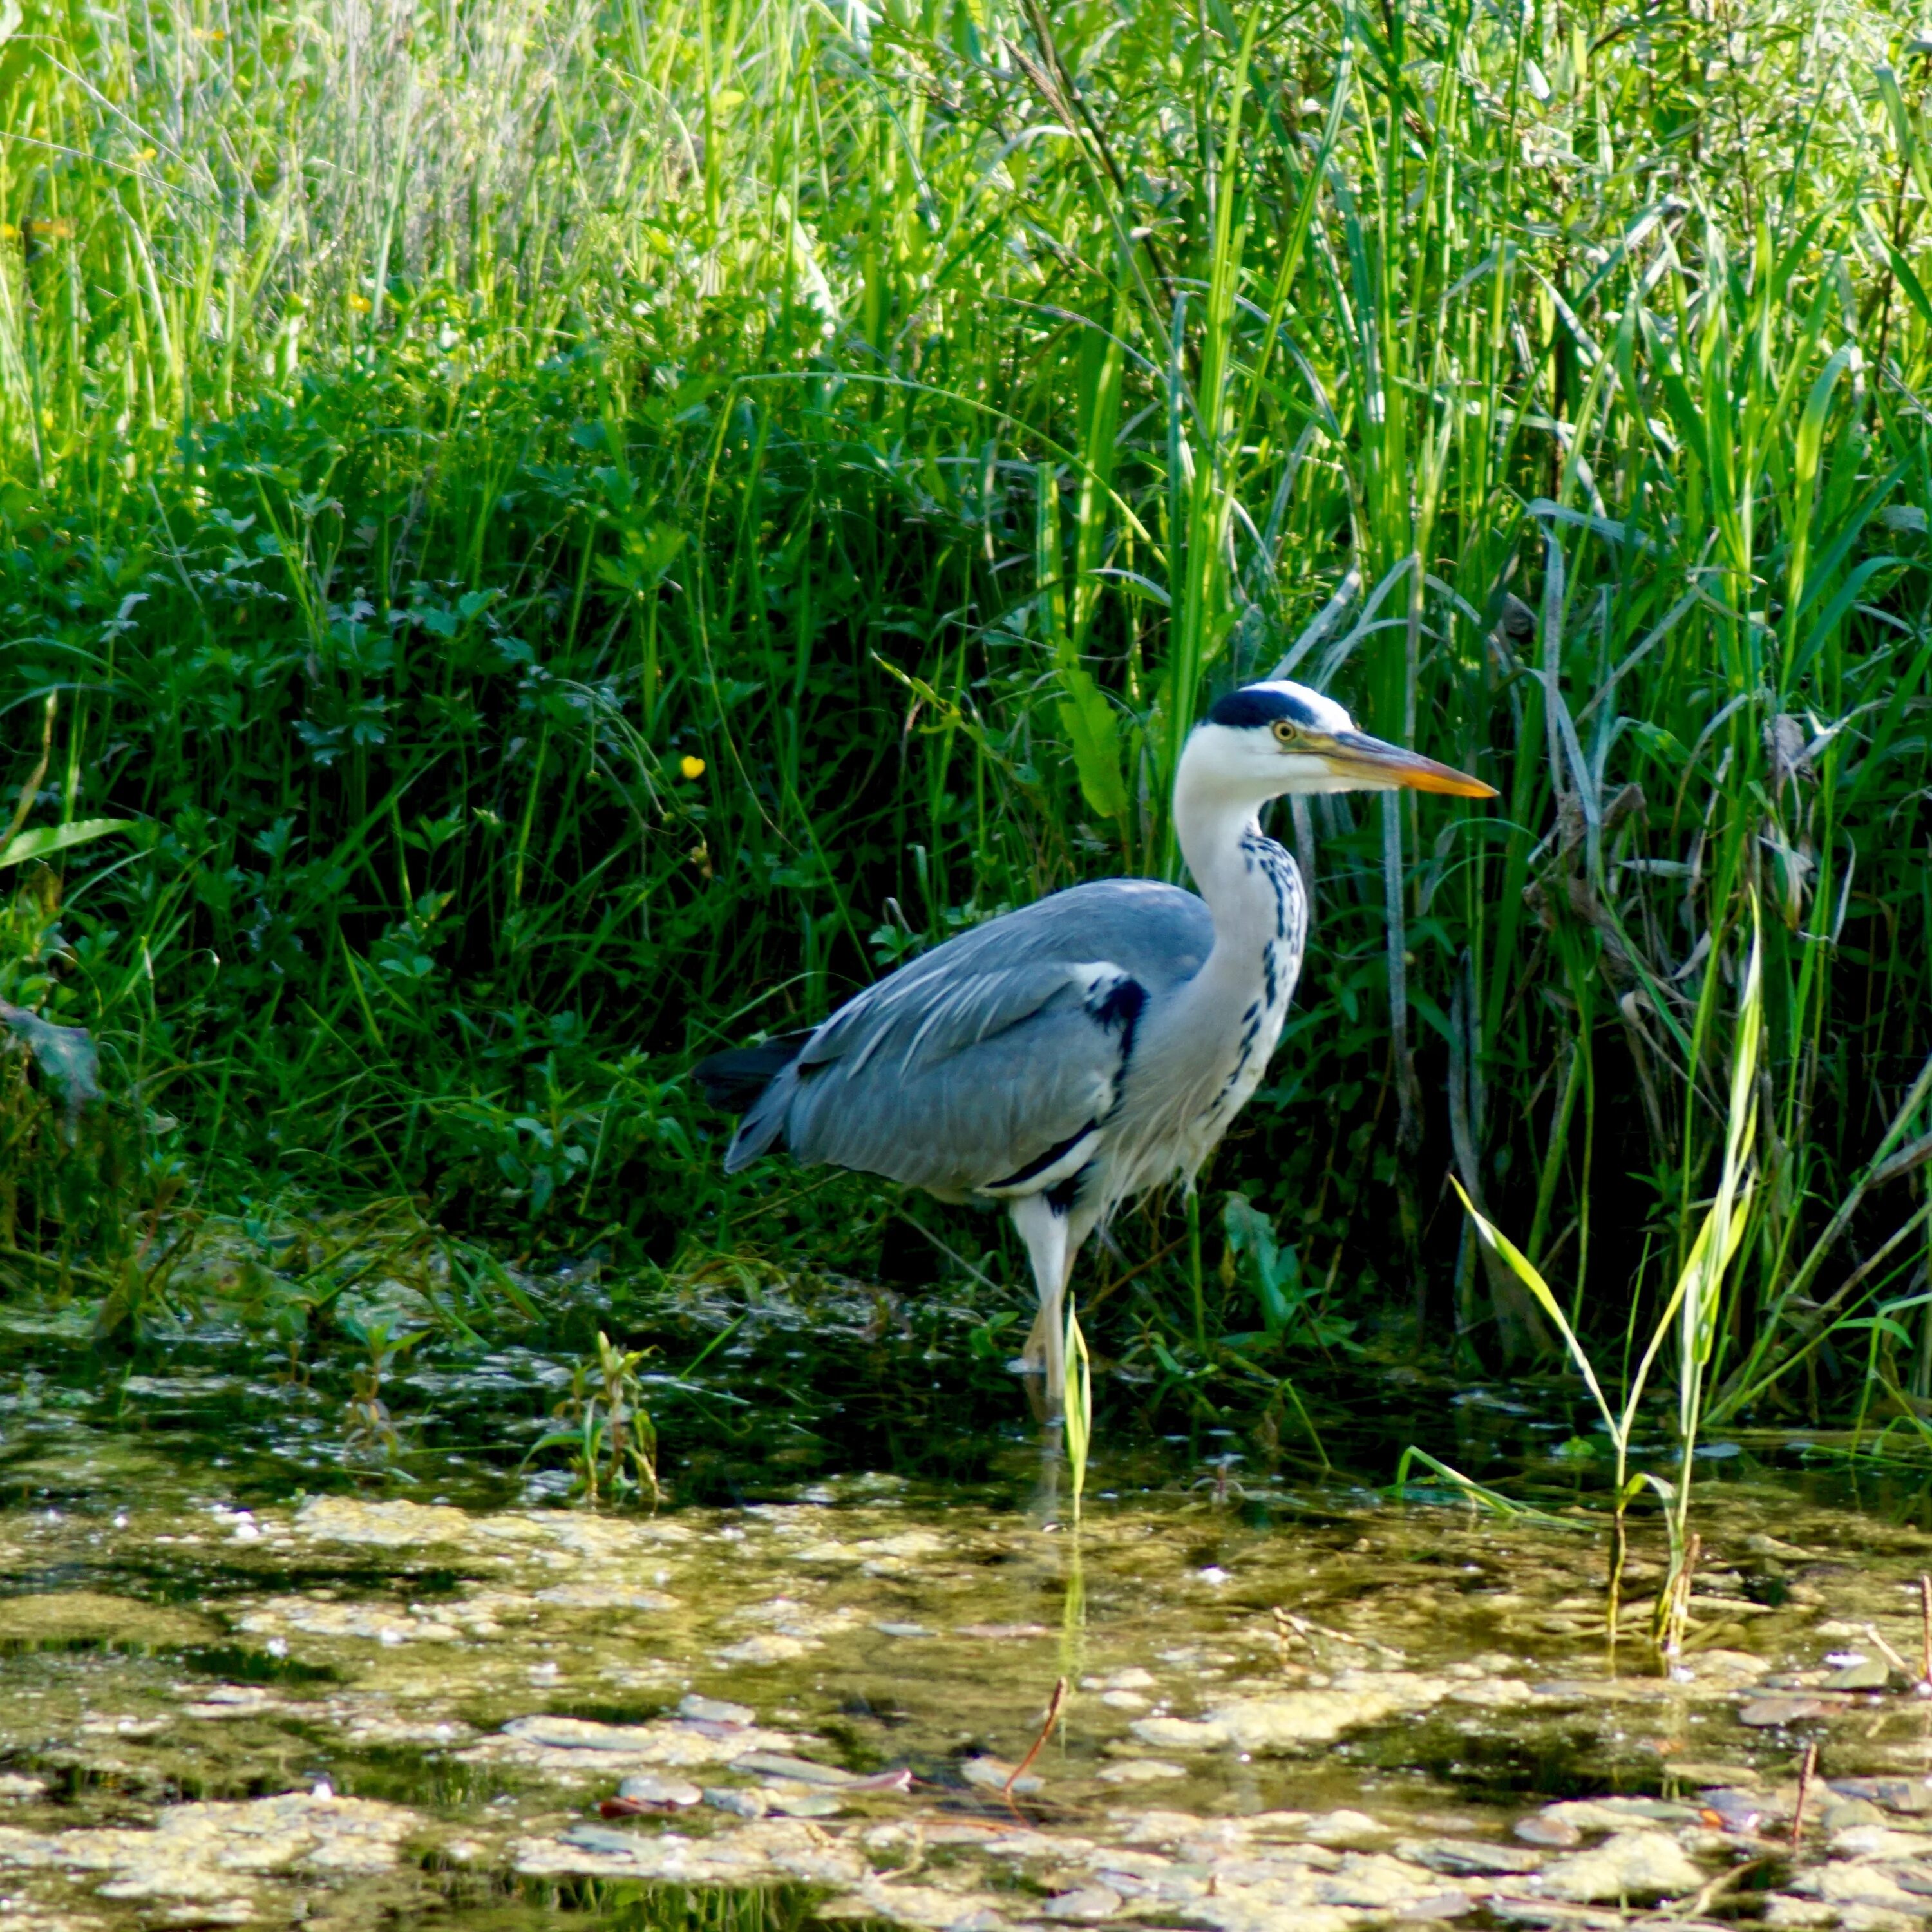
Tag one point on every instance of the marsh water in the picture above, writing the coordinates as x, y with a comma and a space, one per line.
246, 1678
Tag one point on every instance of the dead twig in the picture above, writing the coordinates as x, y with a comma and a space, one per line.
1925, 1626
1891, 1657
1307, 1629
1805, 1771
1725, 1881
1054, 1705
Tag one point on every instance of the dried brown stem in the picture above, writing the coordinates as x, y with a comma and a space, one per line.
1804, 1771
1925, 1627
1054, 1705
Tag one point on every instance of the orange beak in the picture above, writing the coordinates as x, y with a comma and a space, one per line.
1371, 763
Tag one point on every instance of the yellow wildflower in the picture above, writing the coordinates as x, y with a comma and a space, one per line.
692, 768
360, 304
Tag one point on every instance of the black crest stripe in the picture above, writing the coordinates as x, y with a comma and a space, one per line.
1256, 705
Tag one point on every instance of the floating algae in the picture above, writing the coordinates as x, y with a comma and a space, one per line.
445, 1689
216, 1707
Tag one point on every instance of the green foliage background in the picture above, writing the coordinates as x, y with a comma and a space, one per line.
429, 431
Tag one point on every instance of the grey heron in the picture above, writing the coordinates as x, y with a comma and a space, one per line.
1067, 1056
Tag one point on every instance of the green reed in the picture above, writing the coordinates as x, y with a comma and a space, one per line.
1696, 1308
578, 531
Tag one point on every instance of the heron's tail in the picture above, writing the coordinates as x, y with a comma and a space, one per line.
756, 1082
733, 1080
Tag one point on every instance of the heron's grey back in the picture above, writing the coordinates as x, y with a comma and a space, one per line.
970, 1063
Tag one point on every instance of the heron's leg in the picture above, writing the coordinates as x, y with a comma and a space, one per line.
1043, 1227
1031, 1360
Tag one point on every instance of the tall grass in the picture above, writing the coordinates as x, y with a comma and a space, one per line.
580, 531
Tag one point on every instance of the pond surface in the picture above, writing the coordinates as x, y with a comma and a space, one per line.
239, 1685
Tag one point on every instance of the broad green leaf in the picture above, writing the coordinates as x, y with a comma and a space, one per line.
1908, 281
1093, 728
45, 839
1085, 715
67, 1057
1811, 423
1848, 593
1251, 1234
1101, 357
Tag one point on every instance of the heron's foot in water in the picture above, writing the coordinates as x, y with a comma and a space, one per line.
1031, 1360
1044, 1507
1047, 1403
1045, 1392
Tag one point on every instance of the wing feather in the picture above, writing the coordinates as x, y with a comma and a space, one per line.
972, 1062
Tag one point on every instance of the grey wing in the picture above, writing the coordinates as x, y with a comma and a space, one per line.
986, 1065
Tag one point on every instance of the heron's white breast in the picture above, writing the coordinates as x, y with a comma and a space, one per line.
1203, 1048
1193, 1076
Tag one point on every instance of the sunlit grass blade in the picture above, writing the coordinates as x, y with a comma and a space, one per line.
1505, 1507
1519, 1265
1078, 1400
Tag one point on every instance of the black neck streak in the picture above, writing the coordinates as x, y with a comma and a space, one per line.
1281, 956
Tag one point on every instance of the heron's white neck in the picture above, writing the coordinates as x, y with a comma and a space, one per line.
1215, 823
1210, 1042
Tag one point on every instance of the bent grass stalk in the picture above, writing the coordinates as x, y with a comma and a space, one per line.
1478, 1495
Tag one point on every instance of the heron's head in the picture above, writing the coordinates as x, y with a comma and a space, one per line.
1263, 740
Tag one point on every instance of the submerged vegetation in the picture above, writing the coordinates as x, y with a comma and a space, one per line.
569, 534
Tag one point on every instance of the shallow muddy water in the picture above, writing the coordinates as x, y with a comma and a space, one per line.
239, 1686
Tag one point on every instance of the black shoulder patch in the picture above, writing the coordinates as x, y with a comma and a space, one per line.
1122, 1006
1252, 706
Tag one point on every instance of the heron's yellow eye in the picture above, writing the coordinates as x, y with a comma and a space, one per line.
1284, 733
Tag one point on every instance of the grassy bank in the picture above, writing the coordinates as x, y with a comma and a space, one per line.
571, 534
